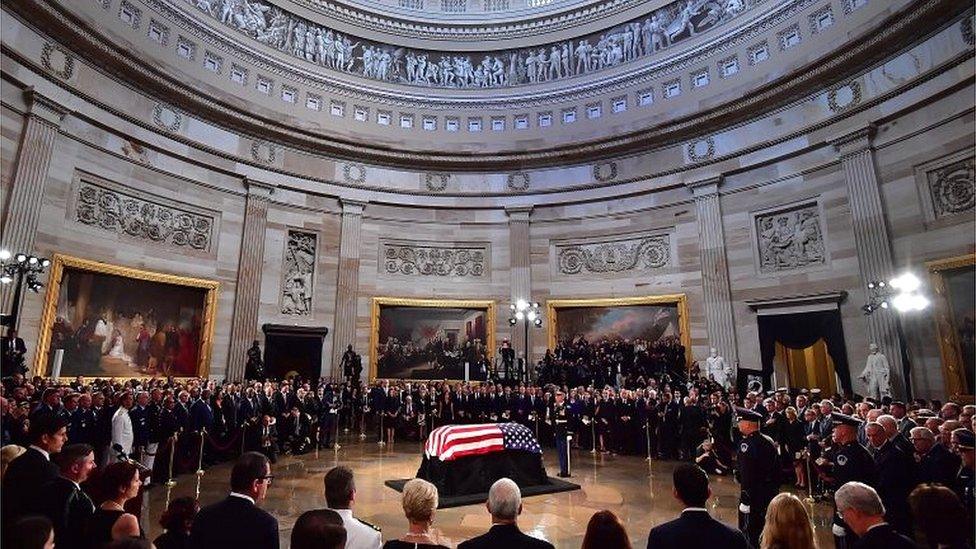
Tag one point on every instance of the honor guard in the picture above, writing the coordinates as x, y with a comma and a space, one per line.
846, 461
758, 474
560, 428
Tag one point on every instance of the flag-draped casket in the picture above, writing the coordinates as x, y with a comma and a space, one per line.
467, 459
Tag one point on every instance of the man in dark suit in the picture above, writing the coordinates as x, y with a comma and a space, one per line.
896, 476
251, 527
861, 508
935, 462
14, 350
26, 474
695, 527
505, 505
64, 502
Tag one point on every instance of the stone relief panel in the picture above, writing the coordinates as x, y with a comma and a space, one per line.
634, 254
301, 38
464, 260
790, 239
142, 216
299, 272
947, 186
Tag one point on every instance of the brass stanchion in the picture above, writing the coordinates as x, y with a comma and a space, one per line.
243, 436
203, 432
382, 433
170, 481
809, 499
593, 434
647, 433
335, 445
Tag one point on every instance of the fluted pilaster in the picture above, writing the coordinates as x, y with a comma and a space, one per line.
247, 297
44, 118
715, 269
520, 270
347, 286
872, 242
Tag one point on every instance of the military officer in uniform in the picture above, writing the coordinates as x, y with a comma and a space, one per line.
758, 474
846, 461
560, 417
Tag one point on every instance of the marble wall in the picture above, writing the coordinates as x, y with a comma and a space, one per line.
764, 222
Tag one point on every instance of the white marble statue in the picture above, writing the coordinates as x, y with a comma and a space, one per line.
875, 375
717, 368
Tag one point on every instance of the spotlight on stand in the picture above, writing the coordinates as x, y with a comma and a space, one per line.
527, 313
901, 292
26, 270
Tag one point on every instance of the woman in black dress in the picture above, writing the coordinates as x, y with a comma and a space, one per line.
120, 482
419, 503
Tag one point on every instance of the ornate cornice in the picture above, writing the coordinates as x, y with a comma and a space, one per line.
890, 35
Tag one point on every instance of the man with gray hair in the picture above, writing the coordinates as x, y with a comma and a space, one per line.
505, 505
936, 464
861, 508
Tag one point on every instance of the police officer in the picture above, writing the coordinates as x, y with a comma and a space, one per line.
844, 462
758, 474
560, 417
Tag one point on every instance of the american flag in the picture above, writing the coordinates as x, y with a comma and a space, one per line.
456, 441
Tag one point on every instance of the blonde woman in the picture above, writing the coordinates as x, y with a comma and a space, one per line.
419, 505
787, 525
9, 453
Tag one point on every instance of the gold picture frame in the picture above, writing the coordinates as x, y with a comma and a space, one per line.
61, 262
379, 302
949, 347
678, 300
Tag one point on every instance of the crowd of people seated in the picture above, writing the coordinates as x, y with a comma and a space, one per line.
915, 456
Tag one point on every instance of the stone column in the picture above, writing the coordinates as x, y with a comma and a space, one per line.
347, 286
873, 245
520, 276
715, 270
247, 297
44, 117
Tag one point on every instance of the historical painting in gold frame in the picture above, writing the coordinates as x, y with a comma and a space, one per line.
430, 338
114, 321
650, 318
953, 280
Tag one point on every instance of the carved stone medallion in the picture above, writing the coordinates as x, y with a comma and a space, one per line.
518, 181
436, 182
58, 61
167, 117
844, 96
263, 152
354, 173
702, 149
953, 188
605, 171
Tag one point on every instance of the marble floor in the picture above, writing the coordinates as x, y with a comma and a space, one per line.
637, 492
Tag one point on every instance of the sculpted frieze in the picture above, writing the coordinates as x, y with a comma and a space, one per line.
614, 256
297, 276
139, 217
301, 38
790, 239
462, 261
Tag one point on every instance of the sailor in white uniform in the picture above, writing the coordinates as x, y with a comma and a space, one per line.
340, 494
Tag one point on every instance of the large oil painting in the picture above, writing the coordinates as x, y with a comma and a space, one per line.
953, 281
112, 321
431, 339
655, 324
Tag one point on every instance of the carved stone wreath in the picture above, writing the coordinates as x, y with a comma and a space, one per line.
140, 218
434, 261
518, 181
436, 182
695, 152
652, 252
836, 101
354, 173
953, 188
967, 31
66, 70
264, 152
605, 171
162, 112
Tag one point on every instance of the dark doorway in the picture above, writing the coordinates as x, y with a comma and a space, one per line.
799, 331
293, 350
